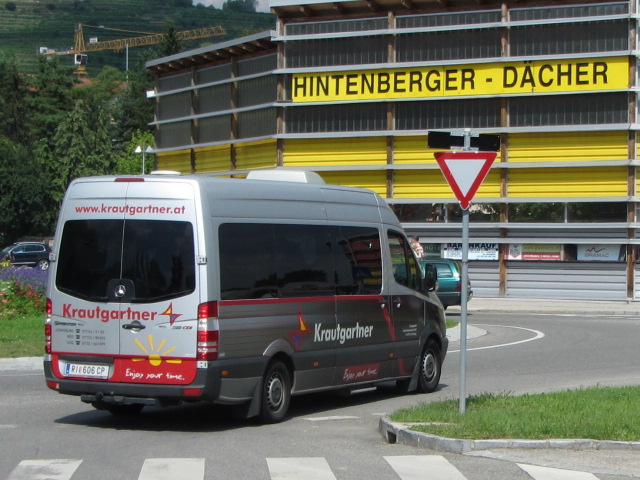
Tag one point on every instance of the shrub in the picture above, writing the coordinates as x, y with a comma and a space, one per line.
10, 6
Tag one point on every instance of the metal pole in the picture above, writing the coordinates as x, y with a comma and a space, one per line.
463, 310
464, 293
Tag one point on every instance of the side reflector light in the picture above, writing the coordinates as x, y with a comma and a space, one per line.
192, 392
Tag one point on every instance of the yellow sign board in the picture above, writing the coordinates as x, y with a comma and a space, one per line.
543, 76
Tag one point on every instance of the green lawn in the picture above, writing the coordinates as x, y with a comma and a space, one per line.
592, 413
22, 336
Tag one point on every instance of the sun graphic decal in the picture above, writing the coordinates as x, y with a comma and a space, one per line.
155, 354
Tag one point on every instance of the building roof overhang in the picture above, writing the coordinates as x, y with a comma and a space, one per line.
239, 47
301, 9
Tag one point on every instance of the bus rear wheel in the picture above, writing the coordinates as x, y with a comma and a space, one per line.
276, 393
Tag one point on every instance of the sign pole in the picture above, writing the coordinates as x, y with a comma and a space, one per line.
464, 293
463, 311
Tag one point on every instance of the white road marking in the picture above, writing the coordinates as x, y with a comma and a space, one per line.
332, 417
56, 469
537, 336
546, 473
172, 468
306, 468
433, 467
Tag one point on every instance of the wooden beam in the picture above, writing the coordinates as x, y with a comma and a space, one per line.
373, 5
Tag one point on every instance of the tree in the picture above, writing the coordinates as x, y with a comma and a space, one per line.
81, 147
50, 96
13, 113
22, 193
130, 162
132, 110
171, 44
240, 5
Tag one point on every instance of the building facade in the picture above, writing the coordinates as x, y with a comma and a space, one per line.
350, 89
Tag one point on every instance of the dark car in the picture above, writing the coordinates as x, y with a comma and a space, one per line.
33, 254
449, 286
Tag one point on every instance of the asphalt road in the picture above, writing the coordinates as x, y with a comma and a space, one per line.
327, 436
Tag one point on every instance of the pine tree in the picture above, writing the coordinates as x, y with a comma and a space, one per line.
50, 97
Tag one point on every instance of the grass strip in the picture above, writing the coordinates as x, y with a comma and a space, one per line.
597, 413
22, 336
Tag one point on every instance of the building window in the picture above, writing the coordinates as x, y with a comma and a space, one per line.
174, 106
444, 46
445, 212
257, 123
337, 118
589, 212
588, 109
336, 51
214, 129
444, 114
175, 134
567, 38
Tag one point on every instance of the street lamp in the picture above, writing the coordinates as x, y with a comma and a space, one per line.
145, 151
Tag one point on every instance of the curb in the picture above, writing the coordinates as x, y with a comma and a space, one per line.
552, 306
23, 363
400, 433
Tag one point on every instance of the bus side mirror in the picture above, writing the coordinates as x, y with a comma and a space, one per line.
430, 277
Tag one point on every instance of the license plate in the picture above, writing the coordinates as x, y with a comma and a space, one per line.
84, 370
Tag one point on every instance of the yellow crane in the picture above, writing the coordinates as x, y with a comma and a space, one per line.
81, 48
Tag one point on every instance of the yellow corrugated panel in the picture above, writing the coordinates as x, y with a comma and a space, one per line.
256, 155
413, 150
568, 182
213, 159
335, 152
432, 184
562, 147
179, 161
373, 180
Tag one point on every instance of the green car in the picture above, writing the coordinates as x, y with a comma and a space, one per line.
449, 286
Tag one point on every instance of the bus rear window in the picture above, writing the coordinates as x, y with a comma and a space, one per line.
156, 255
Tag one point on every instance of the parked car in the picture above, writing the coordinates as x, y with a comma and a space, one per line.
33, 254
449, 285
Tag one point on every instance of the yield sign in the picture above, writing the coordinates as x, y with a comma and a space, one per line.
465, 172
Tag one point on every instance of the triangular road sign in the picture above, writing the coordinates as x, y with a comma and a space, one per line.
465, 172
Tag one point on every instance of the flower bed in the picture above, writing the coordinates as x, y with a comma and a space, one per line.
22, 291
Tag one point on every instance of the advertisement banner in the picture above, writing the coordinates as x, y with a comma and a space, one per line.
526, 251
601, 253
477, 251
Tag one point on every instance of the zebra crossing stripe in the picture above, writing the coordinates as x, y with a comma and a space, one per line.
407, 467
308, 468
419, 467
546, 473
172, 468
61, 469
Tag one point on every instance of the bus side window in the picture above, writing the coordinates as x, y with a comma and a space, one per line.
403, 262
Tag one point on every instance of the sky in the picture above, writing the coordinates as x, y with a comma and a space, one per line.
263, 5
